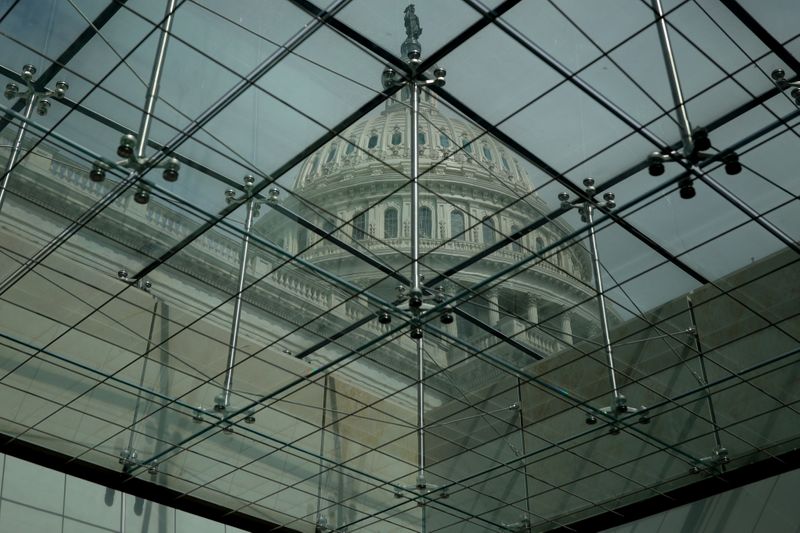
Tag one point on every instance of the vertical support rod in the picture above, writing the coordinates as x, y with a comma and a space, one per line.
155, 80
322, 444
414, 186
524, 449
601, 301
224, 401
674, 80
13, 157
139, 393
415, 285
712, 413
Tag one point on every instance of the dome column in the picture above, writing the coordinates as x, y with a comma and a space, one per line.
566, 327
493, 298
533, 308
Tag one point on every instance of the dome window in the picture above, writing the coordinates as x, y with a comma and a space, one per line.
302, 240
539, 244
505, 164
422, 138
467, 146
351, 147
487, 153
425, 222
444, 141
397, 138
314, 165
360, 226
331, 155
373, 141
390, 223
488, 231
457, 226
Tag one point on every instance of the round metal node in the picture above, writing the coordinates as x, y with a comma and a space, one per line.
171, 169
416, 333
795, 93
591, 419
147, 285
28, 72
644, 419
656, 168
415, 299
778, 74
43, 107
686, 189
563, 196
249, 180
228, 429
219, 406
98, 173
733, 167
152, 469
614, 430
12, 91
694, 470
126, 145
250, 419
61, 88
588, 182
384, 317
440, 72
141, 197
122, 274
447, 317
701, 140
274, 193
608, 196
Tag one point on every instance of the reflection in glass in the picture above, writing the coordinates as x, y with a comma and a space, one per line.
360, 226
488, 231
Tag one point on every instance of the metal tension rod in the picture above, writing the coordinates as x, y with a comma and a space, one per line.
223, 401
700, 142
132, 148
414, 296
30, 96
619, 404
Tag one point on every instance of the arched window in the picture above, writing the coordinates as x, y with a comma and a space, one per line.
302, 239
397, 138
539, 244
390, 223
314, 165
351, 147
505, 164
457, 226
373, 141
466, 145
422, 138
425, 222
488, 231
516, 245
331, 154
487, 153
444, 141
328, 226
360, 226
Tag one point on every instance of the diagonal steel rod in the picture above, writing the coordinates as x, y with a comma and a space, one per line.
16, 147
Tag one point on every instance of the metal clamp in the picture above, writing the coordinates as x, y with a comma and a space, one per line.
716, 460
523, 526
779, 77
143, 284
424, 492
129, 459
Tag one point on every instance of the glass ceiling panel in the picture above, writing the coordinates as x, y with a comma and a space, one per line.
522, 420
